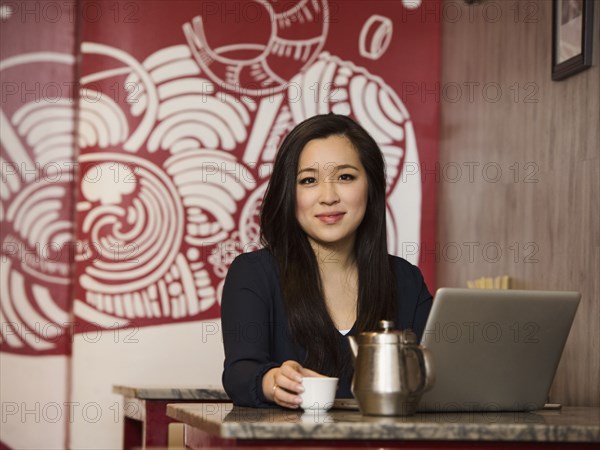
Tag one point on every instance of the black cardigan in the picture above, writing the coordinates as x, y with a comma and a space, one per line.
256, 336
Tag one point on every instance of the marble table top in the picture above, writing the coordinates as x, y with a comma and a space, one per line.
570, 424
171, 392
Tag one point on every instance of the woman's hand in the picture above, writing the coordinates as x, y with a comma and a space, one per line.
282, 385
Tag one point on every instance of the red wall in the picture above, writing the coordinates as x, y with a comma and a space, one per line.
202, 95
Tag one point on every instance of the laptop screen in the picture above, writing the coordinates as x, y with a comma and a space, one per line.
495, 350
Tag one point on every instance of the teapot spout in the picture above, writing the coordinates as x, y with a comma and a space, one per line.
353, 346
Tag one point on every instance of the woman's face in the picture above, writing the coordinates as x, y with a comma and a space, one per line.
331, 191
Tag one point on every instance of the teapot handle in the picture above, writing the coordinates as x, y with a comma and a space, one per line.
429, 369
426, 366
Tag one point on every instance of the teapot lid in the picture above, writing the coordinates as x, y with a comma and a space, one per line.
387, 335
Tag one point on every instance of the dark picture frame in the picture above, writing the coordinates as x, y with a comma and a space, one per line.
572, 31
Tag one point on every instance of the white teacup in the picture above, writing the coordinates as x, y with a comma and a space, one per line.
319, 392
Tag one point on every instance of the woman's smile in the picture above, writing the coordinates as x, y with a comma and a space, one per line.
331, 217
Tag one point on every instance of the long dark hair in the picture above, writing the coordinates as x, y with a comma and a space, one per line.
310, 323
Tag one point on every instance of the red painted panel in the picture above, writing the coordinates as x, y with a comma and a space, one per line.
37, 137
183, 107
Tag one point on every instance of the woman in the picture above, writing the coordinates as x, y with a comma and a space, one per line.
324, 272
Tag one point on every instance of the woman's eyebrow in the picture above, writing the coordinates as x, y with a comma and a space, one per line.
307, 169
346, 166
329, 166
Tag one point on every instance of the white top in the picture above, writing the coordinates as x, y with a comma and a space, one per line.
345, 332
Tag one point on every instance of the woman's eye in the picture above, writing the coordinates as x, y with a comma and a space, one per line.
347, 177
307, 180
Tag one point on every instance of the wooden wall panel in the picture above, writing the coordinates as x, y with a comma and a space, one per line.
538, 219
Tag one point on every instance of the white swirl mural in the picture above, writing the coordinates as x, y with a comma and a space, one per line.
171, 171
37, 139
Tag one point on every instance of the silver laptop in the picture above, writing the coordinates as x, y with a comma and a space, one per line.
495, 350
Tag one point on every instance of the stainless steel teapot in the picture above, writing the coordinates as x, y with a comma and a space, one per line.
391, 371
